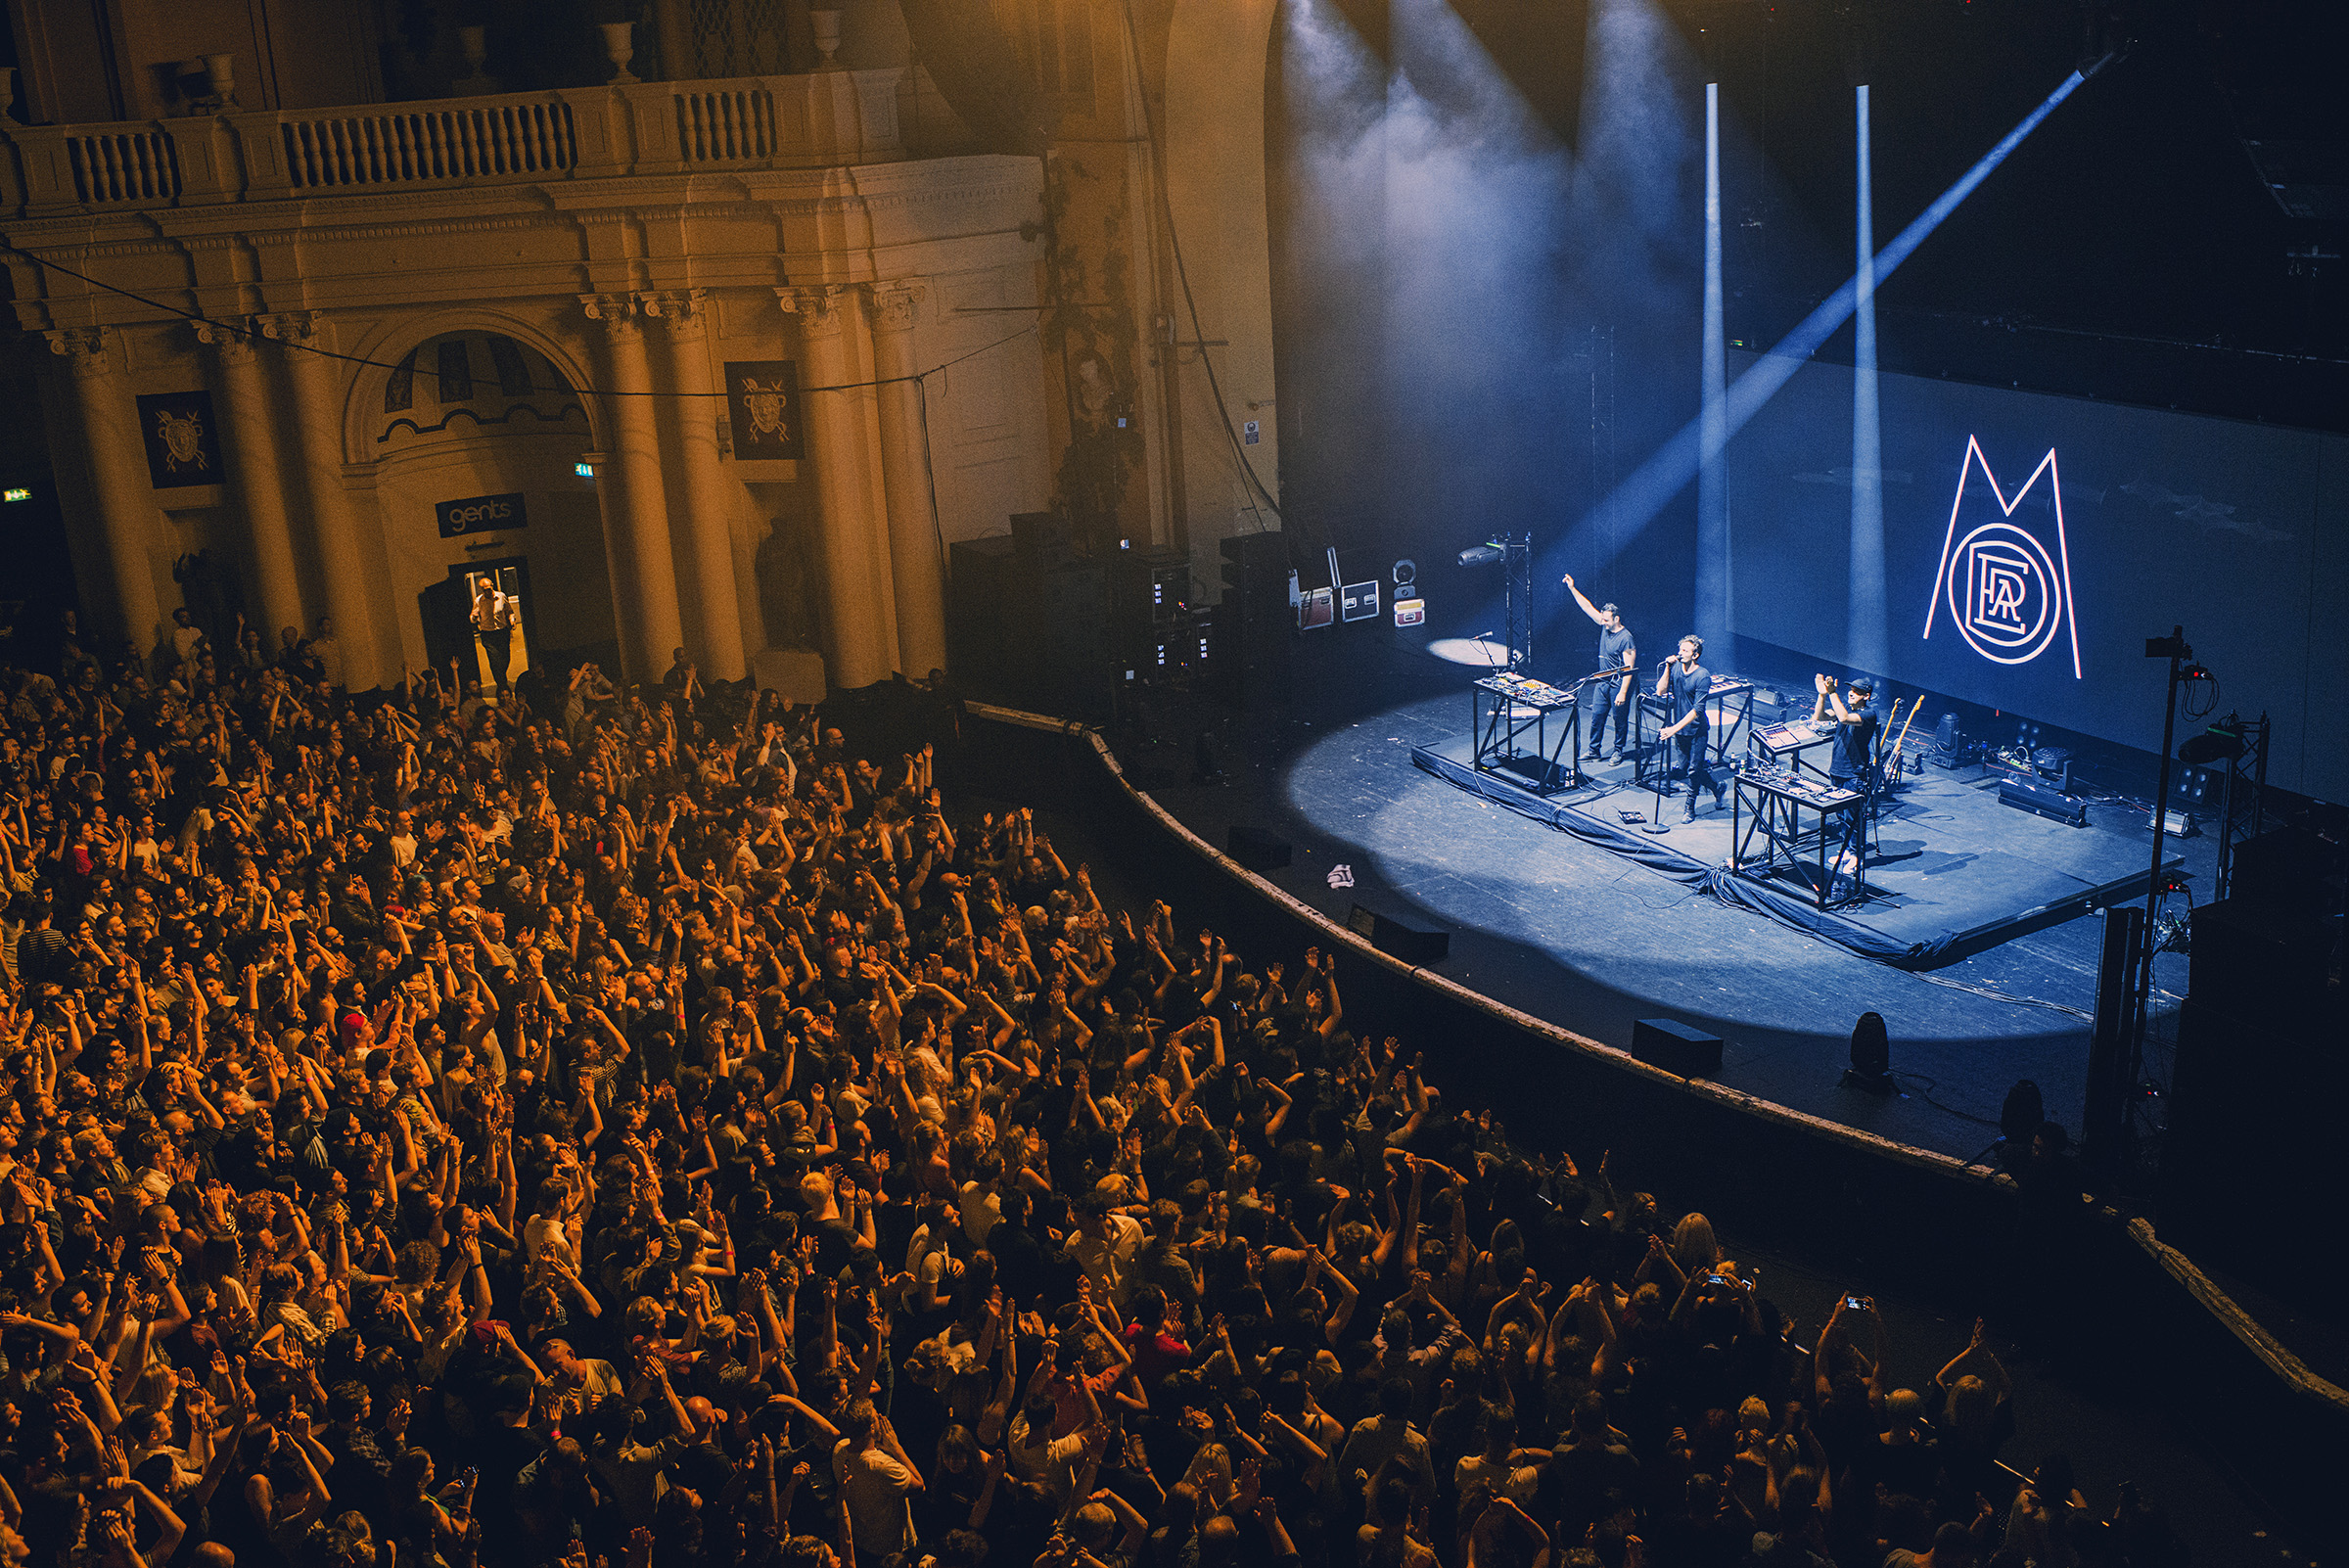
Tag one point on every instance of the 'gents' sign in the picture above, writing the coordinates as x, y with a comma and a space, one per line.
479, 514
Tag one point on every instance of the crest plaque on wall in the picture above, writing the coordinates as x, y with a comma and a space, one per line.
764, 398
183, 444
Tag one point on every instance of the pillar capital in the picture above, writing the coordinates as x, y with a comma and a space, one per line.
232, 342
684, 311
894, 307
82, 348
291, 326
616, 312
818, 305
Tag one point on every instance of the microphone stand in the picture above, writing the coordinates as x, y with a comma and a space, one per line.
1663, 773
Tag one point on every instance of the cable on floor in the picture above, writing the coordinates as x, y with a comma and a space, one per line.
2010, 996
1926, 1094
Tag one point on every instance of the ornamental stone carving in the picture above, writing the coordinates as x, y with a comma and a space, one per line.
894, 307
685, 312
818, 305
83, 349
616, 312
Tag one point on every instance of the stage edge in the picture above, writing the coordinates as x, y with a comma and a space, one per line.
2288, 1369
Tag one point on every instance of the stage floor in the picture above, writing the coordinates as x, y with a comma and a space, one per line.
1952, 870
1590, 939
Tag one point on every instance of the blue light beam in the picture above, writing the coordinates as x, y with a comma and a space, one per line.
1713, 596
1652, 485
1863, 640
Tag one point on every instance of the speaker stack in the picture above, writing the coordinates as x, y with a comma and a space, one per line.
1029, 620
2251, 1152
1254, 628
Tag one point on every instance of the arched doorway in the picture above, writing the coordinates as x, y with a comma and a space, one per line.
477, 438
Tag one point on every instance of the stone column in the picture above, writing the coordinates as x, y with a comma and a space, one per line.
124, 604
316, 382
914, 540
253, 458
709, 493
636, 518
862, 645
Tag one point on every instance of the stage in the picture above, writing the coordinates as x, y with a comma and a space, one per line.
1983, 973
1951, 871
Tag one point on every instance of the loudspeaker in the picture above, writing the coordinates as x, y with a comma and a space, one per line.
986, 607
1392, 937
2251, 1151
2259, 966
1256, 628
1045, 540
2103, 1125
1676, 1048
1257, 850
2285, 871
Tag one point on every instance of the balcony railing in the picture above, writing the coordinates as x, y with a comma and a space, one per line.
743, 123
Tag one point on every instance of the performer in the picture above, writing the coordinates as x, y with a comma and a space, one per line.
1616, 647
1852, 759
1690, 732
493, 623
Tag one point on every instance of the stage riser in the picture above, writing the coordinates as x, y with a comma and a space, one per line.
1592, 822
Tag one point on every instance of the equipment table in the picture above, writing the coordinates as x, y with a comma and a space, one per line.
1770, 807
1504, 707
1775, 743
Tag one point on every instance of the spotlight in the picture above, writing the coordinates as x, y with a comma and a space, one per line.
1477, 555
1871, 1056
2211, 746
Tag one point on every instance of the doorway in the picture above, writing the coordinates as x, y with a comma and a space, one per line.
483, 610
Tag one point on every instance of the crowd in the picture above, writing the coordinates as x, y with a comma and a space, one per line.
590, 1124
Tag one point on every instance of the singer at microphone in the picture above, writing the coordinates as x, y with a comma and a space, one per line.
1689, 684
1616, 648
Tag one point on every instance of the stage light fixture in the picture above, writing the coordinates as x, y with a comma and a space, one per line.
1871, 1056
1477, 555
2211, 746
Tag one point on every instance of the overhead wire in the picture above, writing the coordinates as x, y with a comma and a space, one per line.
200, 319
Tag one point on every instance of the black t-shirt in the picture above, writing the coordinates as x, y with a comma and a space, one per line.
1613, 645
1690, 689
1855, 742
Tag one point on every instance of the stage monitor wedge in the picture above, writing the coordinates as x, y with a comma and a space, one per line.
1257, 850
1676, 1048
1395, 939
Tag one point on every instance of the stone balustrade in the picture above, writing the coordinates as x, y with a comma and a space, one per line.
824, 119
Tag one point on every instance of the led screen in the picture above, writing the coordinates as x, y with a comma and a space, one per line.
2032, 543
